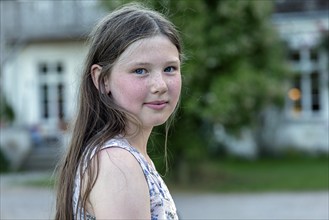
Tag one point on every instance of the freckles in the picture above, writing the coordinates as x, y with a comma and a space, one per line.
175, 85
137, 89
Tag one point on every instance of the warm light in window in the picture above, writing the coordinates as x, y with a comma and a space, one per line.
294, 94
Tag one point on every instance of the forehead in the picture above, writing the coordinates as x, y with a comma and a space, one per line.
150, 49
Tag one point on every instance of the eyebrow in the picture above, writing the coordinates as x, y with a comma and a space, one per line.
146, 63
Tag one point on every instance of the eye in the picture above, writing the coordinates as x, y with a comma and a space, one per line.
140, 71
170, 69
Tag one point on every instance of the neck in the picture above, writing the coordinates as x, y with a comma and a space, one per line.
139, 140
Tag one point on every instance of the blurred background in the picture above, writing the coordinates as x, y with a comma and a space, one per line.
254, 114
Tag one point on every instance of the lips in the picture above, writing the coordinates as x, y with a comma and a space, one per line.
157, 105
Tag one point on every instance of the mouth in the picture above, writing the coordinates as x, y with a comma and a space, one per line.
157, 102
157, 105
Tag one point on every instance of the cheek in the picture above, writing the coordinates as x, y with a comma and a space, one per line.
137, 89
130, 91
175, 86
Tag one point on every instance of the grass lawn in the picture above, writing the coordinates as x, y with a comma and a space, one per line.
308, 174
42, 182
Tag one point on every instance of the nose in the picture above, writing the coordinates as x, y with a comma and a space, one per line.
159, 84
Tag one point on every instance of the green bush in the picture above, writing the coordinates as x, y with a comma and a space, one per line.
4, 163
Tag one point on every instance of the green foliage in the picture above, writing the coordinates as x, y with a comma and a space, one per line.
184, 145
42, 182
6, 112
4, 163
238, 68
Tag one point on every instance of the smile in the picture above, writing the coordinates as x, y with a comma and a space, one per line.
157, 105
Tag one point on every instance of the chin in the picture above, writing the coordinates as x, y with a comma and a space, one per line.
158, 122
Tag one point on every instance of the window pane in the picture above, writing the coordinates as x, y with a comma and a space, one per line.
295, 95
60, 90
315, 91
294, 55
59, 68
45, 101
314, 55
43, 68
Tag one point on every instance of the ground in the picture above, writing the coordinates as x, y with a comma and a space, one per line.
19, 201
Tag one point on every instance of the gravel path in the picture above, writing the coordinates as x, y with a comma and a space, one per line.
274, 206
21, 202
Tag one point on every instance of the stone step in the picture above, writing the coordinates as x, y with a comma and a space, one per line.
42, 158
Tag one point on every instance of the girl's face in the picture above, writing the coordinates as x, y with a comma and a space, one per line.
146, 80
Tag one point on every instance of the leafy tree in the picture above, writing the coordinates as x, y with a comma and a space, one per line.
4, 163
6, 111
235, 68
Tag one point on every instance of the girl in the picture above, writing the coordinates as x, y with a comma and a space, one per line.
131, 83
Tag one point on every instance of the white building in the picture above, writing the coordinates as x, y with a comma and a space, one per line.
43, 46
305, 121
42, 51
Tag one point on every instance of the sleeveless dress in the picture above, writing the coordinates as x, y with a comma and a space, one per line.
161, 203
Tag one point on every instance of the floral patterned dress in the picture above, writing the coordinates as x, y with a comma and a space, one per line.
161, 202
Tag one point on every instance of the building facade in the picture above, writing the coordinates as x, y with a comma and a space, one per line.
42, 51
304, 124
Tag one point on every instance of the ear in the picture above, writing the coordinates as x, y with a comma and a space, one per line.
95, 73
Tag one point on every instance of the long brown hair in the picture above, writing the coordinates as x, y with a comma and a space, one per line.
98, 118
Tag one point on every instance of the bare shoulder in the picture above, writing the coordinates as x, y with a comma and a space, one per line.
118, 155
121, 189
120, 164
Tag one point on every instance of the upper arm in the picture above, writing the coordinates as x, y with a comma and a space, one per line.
121, 190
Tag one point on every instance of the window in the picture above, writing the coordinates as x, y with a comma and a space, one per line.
315, 90
60, 96
45, 101
305, 92
294, 55
43, 68
59, 68
313, 55
295, 95
52, 91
